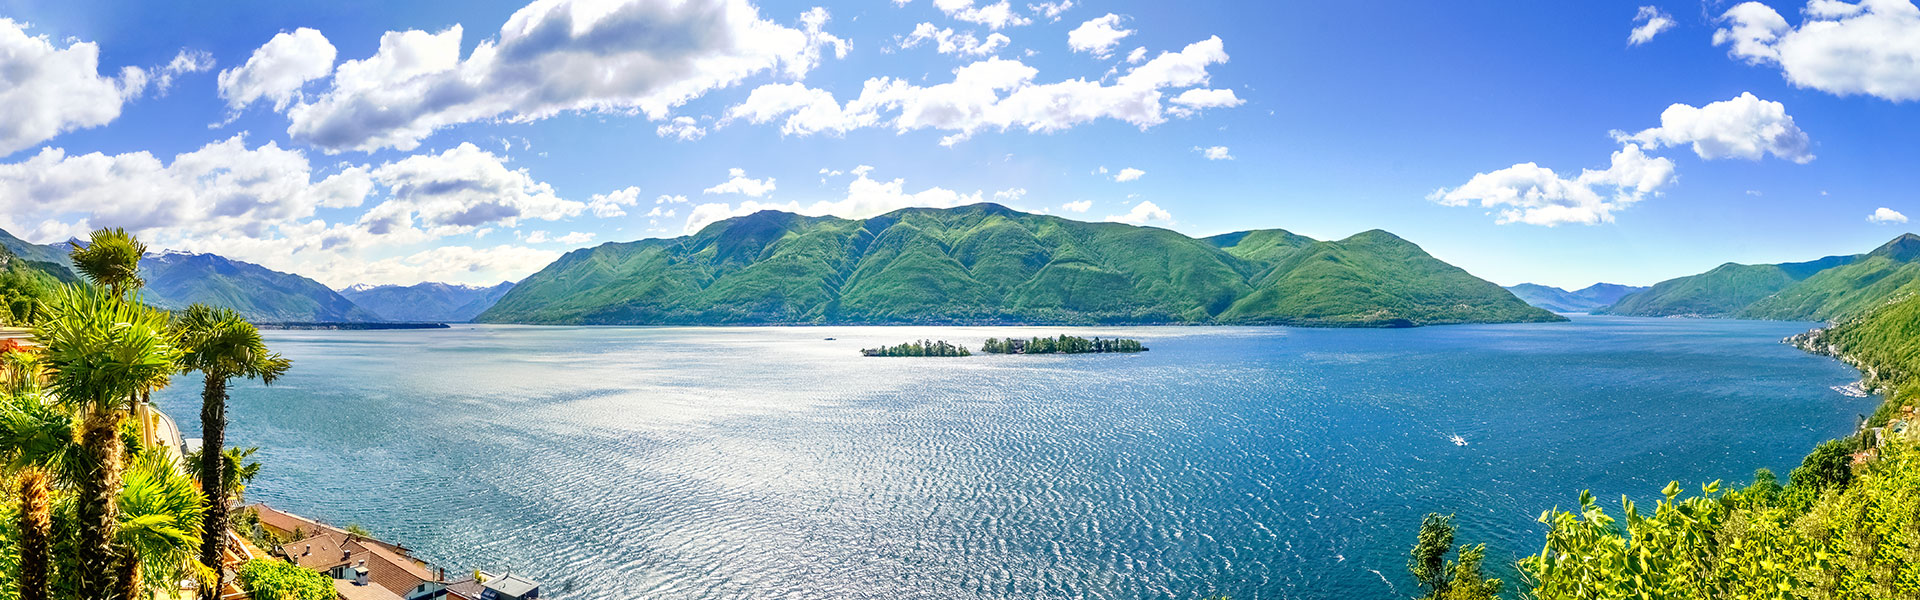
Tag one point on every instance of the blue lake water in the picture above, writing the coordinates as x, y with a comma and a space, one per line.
616, 463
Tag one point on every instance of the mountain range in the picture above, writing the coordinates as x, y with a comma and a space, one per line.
1587, 299
429, 301
1827, 289
986, 263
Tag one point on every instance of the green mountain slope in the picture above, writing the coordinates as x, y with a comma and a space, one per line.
1868, 281
1827, 289
24, 284
988, 263
175, 280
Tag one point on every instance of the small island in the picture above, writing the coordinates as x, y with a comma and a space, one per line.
920, 348
1065, 344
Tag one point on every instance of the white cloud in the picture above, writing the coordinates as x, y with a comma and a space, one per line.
554, 56
1197, 99
1529, 193
187, 61
739, 183
865, 197
1010, 195
1078, 206
667, 199
1138, 54
577, 237
612, 204
46, 90
1128, 174
947, 42
993, 94
1871, 47
1651, 22
278, 69
1884, 215
459, 190
451, 264
1743, 127
1051, 10
1214, 152
1097, 36
1142, 213
685, 128
995, 16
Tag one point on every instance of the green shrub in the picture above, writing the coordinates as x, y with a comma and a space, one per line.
276, 580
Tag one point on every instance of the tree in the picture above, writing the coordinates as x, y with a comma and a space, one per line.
1428, 562
161, 521
36, 441
111, 259
221, 345
103, 350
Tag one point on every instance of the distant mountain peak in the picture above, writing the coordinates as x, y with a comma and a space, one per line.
1903, 249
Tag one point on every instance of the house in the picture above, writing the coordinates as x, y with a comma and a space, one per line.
369, 564
288, 526
489, 587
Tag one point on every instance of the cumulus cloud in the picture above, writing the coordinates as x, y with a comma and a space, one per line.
1743, 127
686, 129
993, 94
1078, 206
1871, 47
451, 264
1214, 152
278, 69
46, 90
459, 190
542, 237
1529, 193
1128, 174
1138, 54
739, 183
1884, 215
945, 41
865, 197
612, 204
1050, 10
554, 56
995, 16
1651, 21
1143, 213
1098, 36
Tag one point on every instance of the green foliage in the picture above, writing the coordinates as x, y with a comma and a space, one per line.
1461, 579
1827, 467
220, 343
240, 470
160, 520
111, 259
103, 351
275, 580
1065, 344
920, 348
989, 264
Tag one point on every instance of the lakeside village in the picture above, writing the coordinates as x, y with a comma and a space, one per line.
265, 543
105, 499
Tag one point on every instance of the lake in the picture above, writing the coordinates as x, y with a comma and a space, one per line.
769, 462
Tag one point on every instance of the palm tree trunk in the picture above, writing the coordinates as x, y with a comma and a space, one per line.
129, 575
213, 462
36, 534
99, 507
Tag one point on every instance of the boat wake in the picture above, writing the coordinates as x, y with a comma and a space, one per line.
1457, 440
1852, 390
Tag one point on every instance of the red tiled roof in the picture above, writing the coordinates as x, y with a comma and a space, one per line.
385, 568
349, 591
317, 552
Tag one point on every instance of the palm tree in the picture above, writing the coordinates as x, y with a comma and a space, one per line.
220, 345
161, 521
36, 440
112, 259
103, 350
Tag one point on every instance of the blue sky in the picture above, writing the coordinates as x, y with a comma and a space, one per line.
292, 137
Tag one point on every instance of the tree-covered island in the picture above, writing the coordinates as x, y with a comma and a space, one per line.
920, 348
1065, 344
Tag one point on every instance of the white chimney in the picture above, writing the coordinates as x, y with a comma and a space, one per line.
360, 574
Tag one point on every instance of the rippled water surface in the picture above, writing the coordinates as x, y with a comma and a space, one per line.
615, 463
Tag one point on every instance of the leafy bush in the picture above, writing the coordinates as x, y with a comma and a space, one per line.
276, 580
